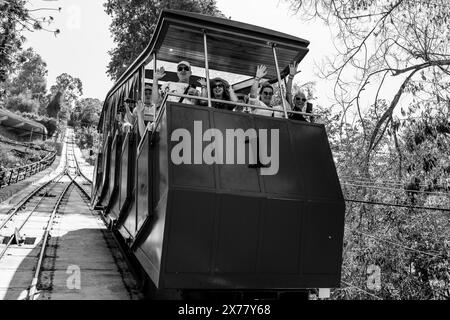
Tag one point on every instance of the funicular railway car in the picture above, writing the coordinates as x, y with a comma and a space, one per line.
220, 226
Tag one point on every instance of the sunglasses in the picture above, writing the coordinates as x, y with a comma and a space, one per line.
183, 68
300, 99
267, 93
218, 85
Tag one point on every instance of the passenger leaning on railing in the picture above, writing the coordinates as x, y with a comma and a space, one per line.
220, 90
265, 96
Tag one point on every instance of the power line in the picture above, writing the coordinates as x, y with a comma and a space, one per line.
385, 182
398, 205
368, 179
349, 285
395, 189
436, 255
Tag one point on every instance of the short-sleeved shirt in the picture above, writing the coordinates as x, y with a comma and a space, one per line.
177, 88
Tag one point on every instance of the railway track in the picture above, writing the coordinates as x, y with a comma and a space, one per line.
52, 246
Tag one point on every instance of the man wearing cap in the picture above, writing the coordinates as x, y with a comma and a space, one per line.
180, 87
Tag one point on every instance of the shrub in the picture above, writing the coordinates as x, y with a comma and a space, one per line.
22, 103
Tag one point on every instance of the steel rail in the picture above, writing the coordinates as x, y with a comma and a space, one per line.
78, 169
25, 200
82, 190
22, 202
8, 244
33, 287
34, 282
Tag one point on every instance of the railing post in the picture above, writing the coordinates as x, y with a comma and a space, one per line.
208, 86
274, 51
155, 66
10, 176
2, 176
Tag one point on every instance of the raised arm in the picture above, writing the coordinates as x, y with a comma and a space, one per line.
158, 74
128, 115
233, 96
140, 117
204, 91
292, 73
261, 71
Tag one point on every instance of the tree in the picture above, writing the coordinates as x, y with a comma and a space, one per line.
86, 112
22, 103
407, 39
409, 245
54, 105
65, 92
133, 24
31, 72
15, 19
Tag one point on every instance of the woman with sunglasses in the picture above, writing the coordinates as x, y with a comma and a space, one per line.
220, 90
265, 96
298, 103
299, 100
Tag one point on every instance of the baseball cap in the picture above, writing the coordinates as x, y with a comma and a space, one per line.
185, 63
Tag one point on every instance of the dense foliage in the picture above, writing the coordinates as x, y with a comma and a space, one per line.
391, 154
87, 139
133, 24
29, 75
14, 19
65, 92
378, 41
86, 113
409, 242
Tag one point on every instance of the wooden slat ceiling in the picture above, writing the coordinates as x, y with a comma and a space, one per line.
224, 53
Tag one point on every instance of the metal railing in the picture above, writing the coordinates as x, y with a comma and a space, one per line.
246, 105
13, 175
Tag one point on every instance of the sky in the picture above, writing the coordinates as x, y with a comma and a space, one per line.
81, 49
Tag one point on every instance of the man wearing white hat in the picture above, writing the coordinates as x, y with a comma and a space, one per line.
180, 87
